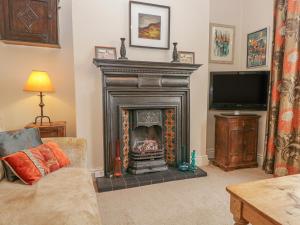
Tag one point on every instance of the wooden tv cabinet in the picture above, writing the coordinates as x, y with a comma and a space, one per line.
236, 141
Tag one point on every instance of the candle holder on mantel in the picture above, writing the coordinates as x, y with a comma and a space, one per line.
123, 50
175, 53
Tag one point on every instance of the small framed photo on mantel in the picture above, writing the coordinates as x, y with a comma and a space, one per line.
102, 52
186, 57
149, 25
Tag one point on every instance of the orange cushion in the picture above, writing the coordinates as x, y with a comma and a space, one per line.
24, 168
31, 165
61, 157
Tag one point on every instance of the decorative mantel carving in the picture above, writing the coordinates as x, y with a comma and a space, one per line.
145, 74
136, 85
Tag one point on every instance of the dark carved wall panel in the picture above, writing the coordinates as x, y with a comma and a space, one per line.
33, 21
135, 85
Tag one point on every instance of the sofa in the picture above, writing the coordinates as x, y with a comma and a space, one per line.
64, 197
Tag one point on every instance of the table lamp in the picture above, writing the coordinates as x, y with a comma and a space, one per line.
39, 81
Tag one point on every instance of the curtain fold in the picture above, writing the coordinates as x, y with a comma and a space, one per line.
283, 127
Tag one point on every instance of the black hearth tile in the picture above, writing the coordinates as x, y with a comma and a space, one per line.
102, 180
157, 181
129, 176
156, 178
169, 178
179, 175
190, 174
144, 182
133, 185
117, 179
115, 188
105, 189
143, 178
131, 182
118, 183
104, 184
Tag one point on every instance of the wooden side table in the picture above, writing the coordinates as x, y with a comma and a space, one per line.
53, 129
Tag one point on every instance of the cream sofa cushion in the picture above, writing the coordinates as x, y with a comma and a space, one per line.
66, 197
1, 171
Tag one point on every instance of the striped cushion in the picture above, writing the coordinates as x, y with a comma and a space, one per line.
30, 165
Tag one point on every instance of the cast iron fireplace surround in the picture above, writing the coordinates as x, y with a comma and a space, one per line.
141, 85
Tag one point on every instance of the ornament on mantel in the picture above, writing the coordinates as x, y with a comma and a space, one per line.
175, 53
123, 50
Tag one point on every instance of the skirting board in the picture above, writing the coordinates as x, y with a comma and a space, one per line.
210, 153
200, 161
260, 160
97, 172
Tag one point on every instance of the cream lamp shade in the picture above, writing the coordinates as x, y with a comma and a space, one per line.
39, 81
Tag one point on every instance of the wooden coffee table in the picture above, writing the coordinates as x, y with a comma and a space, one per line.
274, 201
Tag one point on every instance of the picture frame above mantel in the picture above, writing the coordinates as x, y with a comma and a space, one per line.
149, 25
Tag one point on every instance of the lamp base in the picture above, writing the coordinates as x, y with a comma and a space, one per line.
42, 111
41, 119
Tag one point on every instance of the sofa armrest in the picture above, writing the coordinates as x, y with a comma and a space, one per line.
75, 148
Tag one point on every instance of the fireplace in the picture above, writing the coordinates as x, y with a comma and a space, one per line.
147, 151
146, 108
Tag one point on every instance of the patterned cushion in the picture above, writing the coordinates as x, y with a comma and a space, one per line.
59, 154
32, 164
13, 141
1, 171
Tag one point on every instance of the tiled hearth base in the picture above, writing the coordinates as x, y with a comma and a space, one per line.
129, 181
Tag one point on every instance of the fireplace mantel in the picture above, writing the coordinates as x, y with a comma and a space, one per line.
123, 67
129, 86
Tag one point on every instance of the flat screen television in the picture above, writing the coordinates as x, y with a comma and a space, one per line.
239, 90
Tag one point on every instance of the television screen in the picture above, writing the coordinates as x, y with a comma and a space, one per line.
239, 90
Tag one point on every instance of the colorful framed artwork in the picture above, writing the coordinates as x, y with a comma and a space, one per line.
257, 45
221, 43
186, 57
102, 52
149, 25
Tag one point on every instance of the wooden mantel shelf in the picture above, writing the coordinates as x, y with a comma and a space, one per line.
149, 67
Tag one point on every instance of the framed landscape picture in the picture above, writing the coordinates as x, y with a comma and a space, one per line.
257, 45
102, 52
149, 25
186, 57
221, 43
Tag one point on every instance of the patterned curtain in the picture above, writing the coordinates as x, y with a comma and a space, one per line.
283, 133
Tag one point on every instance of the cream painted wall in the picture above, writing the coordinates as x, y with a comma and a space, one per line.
103, 22
228, 12
247, 16
18, 108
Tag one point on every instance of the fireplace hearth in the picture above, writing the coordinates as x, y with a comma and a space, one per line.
146, 108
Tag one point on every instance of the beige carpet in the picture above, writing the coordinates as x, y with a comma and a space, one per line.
199, 201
